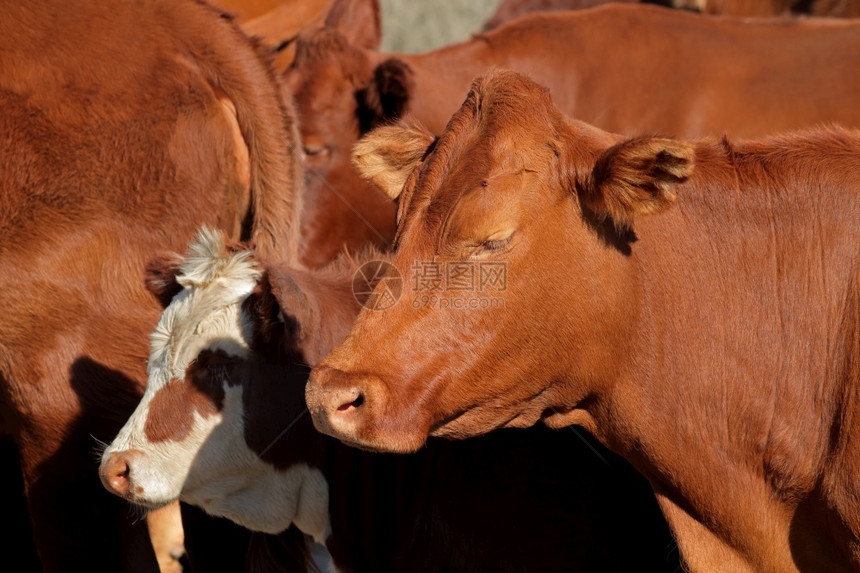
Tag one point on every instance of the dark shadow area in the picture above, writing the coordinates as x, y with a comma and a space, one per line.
813, 527
14, 517
79, 524
89, 528
608, 232
534, 500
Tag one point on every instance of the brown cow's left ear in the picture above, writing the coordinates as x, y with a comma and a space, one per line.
160, 277
637, 177
387, 156
387, 97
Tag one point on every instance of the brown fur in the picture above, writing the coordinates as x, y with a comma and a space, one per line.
510, 9
173, 408
589, 60
712, 344
132, 126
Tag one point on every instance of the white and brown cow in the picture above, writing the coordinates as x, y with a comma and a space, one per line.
223, 425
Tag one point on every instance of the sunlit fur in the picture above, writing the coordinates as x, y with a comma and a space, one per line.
212, 467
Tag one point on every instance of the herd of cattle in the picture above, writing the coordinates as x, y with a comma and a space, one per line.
672, 194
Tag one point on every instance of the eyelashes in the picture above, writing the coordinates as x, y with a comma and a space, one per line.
496, 244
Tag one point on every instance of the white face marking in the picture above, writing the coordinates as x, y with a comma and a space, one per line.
212, 466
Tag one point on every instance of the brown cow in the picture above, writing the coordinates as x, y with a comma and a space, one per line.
511, 9
832, 8
694, 76
124, 127
716, 345
223, 425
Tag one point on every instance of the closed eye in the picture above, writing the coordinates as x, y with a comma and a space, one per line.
496, 244
315, 150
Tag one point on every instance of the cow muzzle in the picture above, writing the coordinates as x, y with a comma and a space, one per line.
115, 473
345, 405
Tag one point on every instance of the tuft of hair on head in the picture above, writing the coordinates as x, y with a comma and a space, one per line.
211, 258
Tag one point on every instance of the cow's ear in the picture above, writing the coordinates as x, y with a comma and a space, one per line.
358, 20
160, 277
269, 322
387, 97
637, 177
387, 156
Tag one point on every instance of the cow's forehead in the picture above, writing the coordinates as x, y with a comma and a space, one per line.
500, 129
206, 314
194, 322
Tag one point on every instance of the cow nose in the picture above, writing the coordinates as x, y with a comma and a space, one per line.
115, 472
341, 403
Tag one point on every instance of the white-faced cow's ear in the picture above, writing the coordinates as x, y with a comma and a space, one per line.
270, 324
160, 277
358, 20
387, 97
387, 156
637, 177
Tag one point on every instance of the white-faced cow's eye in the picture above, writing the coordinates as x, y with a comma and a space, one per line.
215, 361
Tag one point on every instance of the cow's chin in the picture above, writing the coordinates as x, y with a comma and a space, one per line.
481, 420
152, 505
387, 443
382, 434
150, 497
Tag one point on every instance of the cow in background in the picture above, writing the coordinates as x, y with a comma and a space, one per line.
693, 76
695, 305
277, 23
125, 126
223, 425
510, 9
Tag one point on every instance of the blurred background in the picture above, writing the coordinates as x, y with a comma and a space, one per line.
420, 25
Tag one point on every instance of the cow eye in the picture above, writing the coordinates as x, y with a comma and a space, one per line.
496, 244
215, 361
316, 151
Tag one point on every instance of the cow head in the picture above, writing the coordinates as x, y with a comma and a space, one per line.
342, 92
222, 423
515, 234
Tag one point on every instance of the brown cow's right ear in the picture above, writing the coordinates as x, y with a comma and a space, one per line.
160, 277
637, 177
387, 156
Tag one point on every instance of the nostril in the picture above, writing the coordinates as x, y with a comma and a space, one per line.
115, 474
119, 481
355, 404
